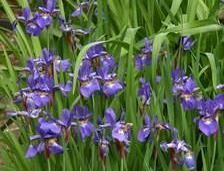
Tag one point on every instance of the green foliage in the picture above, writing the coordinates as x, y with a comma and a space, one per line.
121, 26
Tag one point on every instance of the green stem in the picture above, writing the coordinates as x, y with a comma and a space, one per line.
48, 164
122, 164
213, 157
48, 38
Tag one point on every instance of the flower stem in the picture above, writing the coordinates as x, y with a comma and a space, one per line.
122, 165
213, 157
48, 164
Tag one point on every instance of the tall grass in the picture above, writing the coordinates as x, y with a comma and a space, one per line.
121, 26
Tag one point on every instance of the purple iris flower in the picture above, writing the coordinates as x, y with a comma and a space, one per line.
187, 43
144, 92
94, 54
35, 100
103, 143
182, 151
82, 115
144, 132
151, 127
47, 57
41, 66
95, 51
208, 110
88, 81
65, 118
111, 85
121, 133
120, 129
185, 88
66, 121
42, 83
144, 58
48, 134
84, 6
32, 26
188, 98
46, 13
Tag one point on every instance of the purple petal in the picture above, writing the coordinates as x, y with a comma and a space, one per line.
55, 148
219, 100
110, 88
66, 88
189, 161
110, 116
86, 130
77, 12
51, 5
66, 118
208, 126
81, 113
26, 13
189, 103
143, 134
31, 152
120, 133
87, 89
62, 65
187, 43
33, 29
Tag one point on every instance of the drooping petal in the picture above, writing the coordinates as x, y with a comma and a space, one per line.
55, 148
62, 65
31, 152
86, 130
65, 88
208, 126
33, 29
143, 134
77, 12
189, 161
88, 88
111, 88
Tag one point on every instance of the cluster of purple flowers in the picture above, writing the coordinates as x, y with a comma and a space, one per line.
152, 128
51, 130
97, 71
37, 22
120, 131
40, 83
186, 89
182, 152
